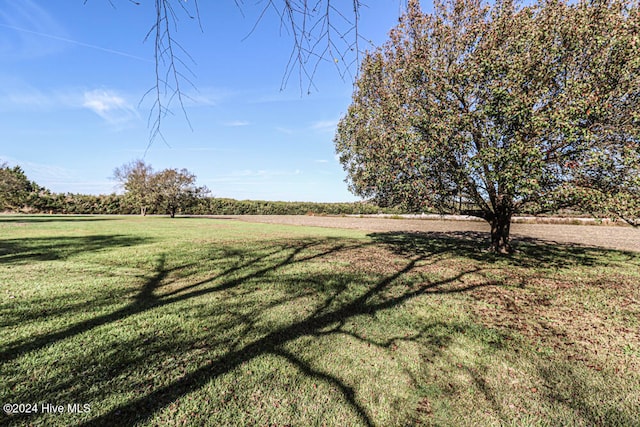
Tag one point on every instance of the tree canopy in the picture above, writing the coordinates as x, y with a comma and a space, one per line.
15, 188
136, 179
491, 109
175, 189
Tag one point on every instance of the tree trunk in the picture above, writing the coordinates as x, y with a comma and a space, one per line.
500, 226
172, 212
143, 210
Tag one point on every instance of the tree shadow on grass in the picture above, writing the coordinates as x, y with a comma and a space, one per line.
586, 393
327, 316
339, 305
530, 252
147, 298
30, 219
33, 249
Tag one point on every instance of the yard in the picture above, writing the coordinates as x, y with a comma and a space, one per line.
116, 320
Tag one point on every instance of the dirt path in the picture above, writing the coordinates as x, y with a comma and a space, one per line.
611, 237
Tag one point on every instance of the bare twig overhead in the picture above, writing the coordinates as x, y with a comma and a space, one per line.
322, 31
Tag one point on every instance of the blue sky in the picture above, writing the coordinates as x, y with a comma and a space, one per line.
73, 74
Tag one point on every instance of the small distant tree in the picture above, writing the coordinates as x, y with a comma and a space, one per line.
176, 189
15, 188
137, 179
495, 109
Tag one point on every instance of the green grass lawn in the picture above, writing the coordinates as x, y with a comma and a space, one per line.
153, 321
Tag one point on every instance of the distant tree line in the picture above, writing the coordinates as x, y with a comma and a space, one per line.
219, 206
144, 194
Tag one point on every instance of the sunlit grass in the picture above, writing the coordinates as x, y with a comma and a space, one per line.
210, 322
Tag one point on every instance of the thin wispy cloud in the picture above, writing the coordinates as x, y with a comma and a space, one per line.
26, 19
113, 107
237, 123
285, 130
41, 173
60, 179
77, 43
325, 125
28, 98
110, 106
206, 96
17, 95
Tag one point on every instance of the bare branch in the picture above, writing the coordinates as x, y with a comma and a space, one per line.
173, 64
322, 31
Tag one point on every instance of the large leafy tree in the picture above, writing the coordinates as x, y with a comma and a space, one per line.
489, 110
176, 189
137, 180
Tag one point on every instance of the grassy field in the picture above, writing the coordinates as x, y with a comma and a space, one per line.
153, 321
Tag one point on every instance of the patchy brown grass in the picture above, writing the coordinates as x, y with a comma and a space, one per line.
589, 314
579, 321
577, 309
